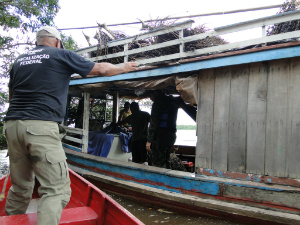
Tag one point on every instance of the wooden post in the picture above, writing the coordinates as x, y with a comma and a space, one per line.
181, 46
126, 53
65, 121
116, 106
89, 55
86, 116
263, 33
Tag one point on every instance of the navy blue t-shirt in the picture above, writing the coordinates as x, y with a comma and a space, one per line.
39, 80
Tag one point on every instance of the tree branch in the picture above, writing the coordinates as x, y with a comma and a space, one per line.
11, 46
6, 2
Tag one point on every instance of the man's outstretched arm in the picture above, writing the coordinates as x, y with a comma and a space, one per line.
107, 69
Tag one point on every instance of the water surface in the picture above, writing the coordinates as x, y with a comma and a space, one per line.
152, 215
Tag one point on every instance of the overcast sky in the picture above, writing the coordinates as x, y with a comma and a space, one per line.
78, 13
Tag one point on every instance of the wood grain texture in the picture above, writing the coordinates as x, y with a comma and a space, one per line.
256, 118
205, 119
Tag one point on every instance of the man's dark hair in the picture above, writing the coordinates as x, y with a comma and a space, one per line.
126, 105
134, 106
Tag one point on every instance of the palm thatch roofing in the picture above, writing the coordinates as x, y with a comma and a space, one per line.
288, 6
104, 35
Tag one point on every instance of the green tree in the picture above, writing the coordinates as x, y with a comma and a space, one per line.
18, 19
69, 42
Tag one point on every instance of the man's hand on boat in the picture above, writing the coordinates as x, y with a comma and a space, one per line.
107, 69
130, 66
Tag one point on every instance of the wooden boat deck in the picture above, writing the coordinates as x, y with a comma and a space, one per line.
80, 215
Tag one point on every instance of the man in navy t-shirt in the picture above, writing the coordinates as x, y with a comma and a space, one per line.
38, 88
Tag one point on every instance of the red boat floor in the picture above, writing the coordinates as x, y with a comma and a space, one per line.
72, 216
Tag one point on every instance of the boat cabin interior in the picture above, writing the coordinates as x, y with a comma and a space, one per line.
104, 105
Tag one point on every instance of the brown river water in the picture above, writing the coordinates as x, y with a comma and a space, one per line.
148, 214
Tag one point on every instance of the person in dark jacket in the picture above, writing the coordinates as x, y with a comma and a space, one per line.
162, 130
139, 121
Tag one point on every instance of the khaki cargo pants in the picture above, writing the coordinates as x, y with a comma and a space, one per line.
35, 150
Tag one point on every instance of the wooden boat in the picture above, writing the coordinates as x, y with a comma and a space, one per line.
88, 205
246, 160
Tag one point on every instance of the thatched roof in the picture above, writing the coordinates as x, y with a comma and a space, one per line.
104, 36
288, 6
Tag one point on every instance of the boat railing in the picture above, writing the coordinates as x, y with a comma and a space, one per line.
77, 135
74, 135
125, 43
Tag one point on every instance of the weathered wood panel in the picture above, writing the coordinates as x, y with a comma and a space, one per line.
276, 130
221, 119
255, 112
238, 118
256, 118
205, 119
277, 197
293, 120
86, 116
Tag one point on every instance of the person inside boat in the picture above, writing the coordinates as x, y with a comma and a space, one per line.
139, 121
162, 130
124, 114
38, 88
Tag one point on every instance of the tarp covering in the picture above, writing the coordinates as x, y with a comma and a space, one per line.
100, 141
187, 86
125, 139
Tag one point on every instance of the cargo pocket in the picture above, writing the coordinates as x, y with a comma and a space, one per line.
58, 169
44, 131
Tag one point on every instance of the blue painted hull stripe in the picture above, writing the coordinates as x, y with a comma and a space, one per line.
178, 183
173, 182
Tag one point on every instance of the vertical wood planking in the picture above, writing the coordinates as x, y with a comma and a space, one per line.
249, 115
205, 120
116, 106
256, 118
237, 118
276, 127
221, 119
86, 116
293, 121
181, 46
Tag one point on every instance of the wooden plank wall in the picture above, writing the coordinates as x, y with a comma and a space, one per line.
248, 119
